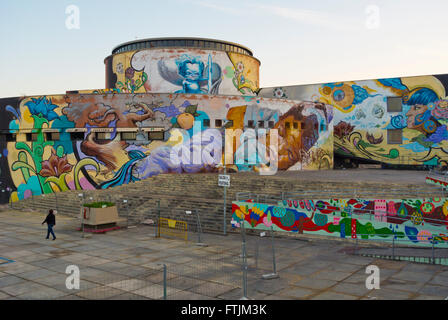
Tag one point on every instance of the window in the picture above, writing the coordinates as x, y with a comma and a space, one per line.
271, 124
229, 124
288, 125
128, 135
8, 137
52, 136
302, 125
295, 125
251, 123
206, 122
31, 137
395, 136
156, 135
218, 123
102, 135
77, 136
322, 127
261, 124
394, 104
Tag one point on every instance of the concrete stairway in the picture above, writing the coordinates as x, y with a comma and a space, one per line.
175, 193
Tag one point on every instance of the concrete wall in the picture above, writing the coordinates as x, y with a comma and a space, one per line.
183, 71
412, 221
45, 166
362, 119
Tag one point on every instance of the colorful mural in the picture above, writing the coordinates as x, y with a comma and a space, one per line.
183, 71
362, 121
37, 164
411, 221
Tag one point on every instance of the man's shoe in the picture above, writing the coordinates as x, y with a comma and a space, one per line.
54, 238
46, 238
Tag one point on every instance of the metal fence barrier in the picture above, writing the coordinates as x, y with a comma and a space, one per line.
172, 228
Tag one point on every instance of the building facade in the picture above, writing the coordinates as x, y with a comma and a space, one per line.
166, 108
396, 121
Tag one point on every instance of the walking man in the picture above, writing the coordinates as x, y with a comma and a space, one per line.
51, 222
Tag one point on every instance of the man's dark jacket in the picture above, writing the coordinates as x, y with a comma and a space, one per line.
50, 219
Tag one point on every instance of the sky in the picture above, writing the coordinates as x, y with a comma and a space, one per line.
297, 42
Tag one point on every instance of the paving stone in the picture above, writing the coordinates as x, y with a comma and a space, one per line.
297, 293
331, 275
388, 294
99, 293
211, 289
270, 286
439, 280
129, 284
42, 293
21, 288
10, 280
434, 290
317, 284
36, 274
351, 289
412, 276
155, 291
329, 295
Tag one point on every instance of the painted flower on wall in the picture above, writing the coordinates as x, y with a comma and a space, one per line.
129, 73
44, 107
440, 110
279, 93
55, 166
120, 68
343, 129
240, 67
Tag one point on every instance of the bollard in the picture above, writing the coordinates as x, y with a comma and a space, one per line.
274, 274
243, 245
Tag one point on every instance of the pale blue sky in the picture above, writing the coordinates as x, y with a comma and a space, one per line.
297, 42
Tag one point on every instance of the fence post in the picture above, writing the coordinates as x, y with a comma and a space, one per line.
164, 282
432, 250
199, 230
158, 219
393, 246
243, 234
57, 205
274, 274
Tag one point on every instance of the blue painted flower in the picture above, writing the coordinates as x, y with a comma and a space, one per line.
42, 106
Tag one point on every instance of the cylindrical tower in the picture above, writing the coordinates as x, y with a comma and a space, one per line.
182, 65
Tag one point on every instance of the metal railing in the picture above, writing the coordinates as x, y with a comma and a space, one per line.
391, 248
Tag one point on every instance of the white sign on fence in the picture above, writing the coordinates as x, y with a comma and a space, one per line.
224, 180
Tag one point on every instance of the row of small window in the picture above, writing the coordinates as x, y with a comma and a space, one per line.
182, 43
74, 136
262, 124
394, 104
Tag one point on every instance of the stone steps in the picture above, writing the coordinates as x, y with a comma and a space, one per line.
178, 193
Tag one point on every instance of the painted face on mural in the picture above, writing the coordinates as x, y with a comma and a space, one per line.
192, 72
415, 116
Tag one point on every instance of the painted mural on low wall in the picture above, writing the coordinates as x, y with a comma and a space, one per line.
42, 165
193, 71
362, 119
410, 221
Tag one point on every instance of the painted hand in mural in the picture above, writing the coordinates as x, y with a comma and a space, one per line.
108, 153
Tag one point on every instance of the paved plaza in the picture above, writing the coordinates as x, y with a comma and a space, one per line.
127, 264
